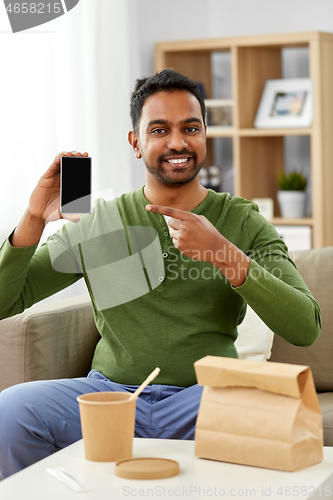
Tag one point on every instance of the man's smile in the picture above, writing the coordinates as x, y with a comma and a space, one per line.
175, 161
179, 161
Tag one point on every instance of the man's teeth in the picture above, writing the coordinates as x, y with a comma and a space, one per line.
178, 160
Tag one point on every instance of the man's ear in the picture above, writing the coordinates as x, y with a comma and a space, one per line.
133, 139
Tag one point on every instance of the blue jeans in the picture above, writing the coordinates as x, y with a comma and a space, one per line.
39, 418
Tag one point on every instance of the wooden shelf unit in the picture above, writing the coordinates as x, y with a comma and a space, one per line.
258, 154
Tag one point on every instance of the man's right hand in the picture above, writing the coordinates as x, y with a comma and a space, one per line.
44, 201
44, 206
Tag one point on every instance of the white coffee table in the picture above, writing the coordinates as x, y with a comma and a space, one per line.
198, 478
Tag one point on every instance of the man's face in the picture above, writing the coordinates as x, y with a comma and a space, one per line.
172, 138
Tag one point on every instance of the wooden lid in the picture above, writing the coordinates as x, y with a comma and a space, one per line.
146, 468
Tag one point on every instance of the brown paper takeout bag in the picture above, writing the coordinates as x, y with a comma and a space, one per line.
256, 413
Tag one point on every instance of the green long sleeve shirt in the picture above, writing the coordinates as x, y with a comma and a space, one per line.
167, 311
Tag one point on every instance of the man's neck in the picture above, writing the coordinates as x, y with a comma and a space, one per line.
184, 197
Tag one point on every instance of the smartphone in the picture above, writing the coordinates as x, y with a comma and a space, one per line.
75, 185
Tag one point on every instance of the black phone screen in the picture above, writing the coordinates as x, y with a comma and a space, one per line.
75, 184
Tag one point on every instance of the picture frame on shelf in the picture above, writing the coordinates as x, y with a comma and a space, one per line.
219, 112
285, 103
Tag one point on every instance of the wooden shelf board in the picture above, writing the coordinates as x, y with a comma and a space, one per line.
264, 132
224, 44
218, 103
214, 131
280, 221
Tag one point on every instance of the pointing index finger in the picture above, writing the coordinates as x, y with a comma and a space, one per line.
175, 213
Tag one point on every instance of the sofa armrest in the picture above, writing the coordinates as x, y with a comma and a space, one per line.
315, 267
48, 341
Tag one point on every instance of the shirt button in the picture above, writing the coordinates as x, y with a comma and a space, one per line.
160, 279
164, 255
166, 234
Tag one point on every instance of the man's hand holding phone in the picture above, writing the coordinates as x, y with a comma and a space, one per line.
45, 200
44, 203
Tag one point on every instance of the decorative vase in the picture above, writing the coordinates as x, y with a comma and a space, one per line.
292, 203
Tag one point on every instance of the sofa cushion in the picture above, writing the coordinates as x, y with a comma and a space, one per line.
316, 268
326, 407
47, 341
254, 339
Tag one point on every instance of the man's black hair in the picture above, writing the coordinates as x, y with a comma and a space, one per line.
167, 80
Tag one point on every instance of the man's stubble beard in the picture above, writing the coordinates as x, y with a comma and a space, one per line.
161, 174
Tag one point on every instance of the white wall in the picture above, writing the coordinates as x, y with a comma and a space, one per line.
154, 21
252, 17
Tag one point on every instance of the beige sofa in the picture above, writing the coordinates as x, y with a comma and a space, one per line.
57, 339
